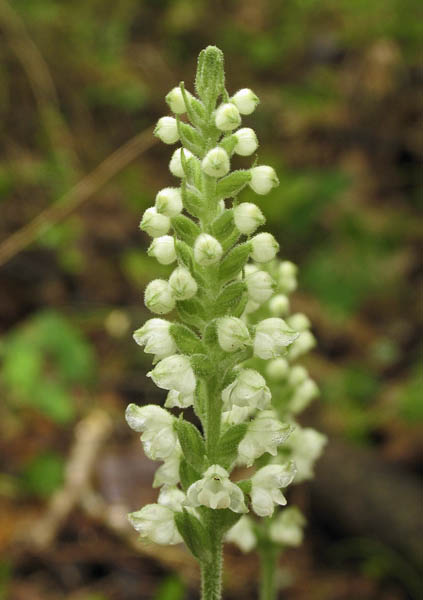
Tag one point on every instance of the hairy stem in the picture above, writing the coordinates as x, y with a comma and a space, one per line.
268, 554
211, 571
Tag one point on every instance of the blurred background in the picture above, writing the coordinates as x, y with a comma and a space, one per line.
81, 84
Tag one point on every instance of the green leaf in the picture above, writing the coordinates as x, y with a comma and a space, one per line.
190, 137
210, 77
187, 474
184, 254
229, 442
191, 312
185, 229
194, 534
192, 444
226, 518
224, 225
228, 143
186, 340
229, 298
232, 184
201, 365
200, 398
192, 200
234, 262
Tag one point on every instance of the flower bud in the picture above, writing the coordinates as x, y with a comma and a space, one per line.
175, 165
154, 223
245, 100
179, 400
279, 306
156, 523
174, 373
176, 102
167, 130
232, 334
287, 276
216, 491
299, 322
263, 179
265, 433
169, 202
158, 297
207, 250
277, 369
249, 389
287, 528
303, 395
159, 437
182, 284
227, 117
163, 249
216, 162
155, 336
242, 534
266, 484
236, 415
251, 307
260, 286
306, 445
246, 141
305, 342
272, 337
248, 217
297, 375
264, 247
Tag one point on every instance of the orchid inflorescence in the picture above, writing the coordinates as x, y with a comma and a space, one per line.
227, 342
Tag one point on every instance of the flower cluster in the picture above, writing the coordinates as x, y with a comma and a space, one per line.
228, 297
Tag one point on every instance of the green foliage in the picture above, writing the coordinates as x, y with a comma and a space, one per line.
171, 588
44, 361
43, 475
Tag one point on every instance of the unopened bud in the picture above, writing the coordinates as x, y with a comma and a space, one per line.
263, 179
279, 306
176, 101
246, 142
248, 217
182, 284
169, 201
245, 100
299, 322
232, 334
163, 249
277, 369
175, 165
264, 247
154, 223
207, 250
158, 297
260, 286
227, 117
167, 130
216, 162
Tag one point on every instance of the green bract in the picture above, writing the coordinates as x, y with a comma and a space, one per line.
225, 295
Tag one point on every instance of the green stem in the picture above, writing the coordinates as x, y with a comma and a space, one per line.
268, 554
211, 571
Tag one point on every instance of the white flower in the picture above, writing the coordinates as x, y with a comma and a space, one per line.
306, 445
232, 334
272, 337
154, 223
279, 306
159, 437
169, 201
236, 415
179, 400
249, 389
263, 179
176, 101
175, 165
287, 528
245, 100
207, 250
260, 286
158, 297
167, 130
227, 117
174, 373
168, 472
277, 369
247, 217
163, 249
265, 490
216, 490
264, 247
156, 523
183, 284
172, 497
303, 395
299, 322
246, 141
155, 335
242, 534
305, 342
251, 307
216, 162
287, 276
265, 433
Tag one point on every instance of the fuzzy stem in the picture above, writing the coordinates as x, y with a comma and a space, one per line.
211, 571
268, 554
